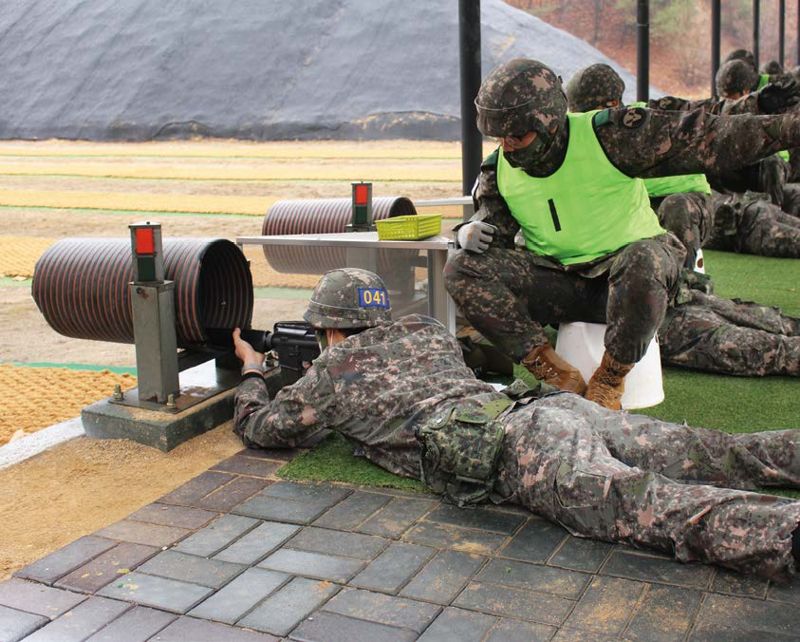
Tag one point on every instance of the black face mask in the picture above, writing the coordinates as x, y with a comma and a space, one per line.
543, 156
322, 339
528, 156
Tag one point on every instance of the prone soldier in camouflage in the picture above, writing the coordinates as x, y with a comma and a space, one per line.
389, 385
686, 205
706, 332
594, 249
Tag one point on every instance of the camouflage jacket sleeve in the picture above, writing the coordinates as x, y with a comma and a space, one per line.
745, 105
648, 143
296, 414
491, 207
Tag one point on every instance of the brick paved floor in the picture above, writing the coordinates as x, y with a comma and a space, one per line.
235, 555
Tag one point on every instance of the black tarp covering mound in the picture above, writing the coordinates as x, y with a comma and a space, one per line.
259, 69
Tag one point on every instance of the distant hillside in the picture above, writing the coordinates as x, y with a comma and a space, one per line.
255, 69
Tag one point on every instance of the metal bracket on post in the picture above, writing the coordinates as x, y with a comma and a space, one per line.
364, 258
153, 308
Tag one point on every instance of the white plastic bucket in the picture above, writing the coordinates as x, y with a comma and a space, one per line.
582, 345
699, 263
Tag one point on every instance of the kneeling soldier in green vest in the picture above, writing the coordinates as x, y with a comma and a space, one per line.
400, 391
595, 250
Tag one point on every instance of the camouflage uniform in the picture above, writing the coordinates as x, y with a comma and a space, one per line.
746, 223
690, 215
749, 224
508, 294
769, 176
707, 332
776, 97
599, 473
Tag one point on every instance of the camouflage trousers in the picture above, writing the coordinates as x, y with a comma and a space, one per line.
634, 479
689, 216
791, 199
747, 224
508, 295
730, 337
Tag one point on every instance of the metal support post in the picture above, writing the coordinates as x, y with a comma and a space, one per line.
469, 45
716, 23
153, 309
642, 50
781, 31
756, 29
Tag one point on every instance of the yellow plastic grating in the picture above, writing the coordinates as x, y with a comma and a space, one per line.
409, 228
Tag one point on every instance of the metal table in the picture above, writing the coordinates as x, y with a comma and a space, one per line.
359, 244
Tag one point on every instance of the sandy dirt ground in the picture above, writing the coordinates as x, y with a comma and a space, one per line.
84, 484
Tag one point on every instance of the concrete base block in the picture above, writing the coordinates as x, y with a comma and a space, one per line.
106, 420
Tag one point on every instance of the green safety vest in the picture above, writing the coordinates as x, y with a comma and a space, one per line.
666, 185
763, 81
584, 210
784, 154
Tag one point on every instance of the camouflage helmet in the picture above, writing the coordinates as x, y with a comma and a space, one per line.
518, 97
772, 68
741, 54
735, 77
594, 87
349, 298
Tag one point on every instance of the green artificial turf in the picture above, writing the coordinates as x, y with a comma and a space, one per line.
756, 278
733, 404
333, 460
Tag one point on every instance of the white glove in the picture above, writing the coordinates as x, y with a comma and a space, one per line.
476, 236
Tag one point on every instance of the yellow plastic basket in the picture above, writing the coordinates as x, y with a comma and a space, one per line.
409, 228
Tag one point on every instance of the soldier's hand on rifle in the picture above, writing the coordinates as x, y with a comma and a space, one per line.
247, 355
476, 236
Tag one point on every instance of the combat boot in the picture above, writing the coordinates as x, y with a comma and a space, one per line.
544, 364
608, 382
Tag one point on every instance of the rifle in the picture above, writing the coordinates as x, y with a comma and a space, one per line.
289, 346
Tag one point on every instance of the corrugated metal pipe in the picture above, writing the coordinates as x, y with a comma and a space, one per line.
81, 287
325, 216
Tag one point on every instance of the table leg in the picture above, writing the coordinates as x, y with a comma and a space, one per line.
362, 257
440, 305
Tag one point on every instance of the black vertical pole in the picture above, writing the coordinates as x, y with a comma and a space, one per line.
642, 50
782, 31
756, 28
715, 42
469, 31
